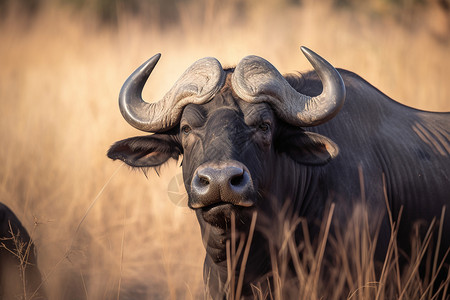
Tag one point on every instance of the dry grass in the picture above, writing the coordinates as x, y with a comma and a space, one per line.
59, 80
305, 270
20, 252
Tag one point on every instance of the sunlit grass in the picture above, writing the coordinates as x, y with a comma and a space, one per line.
60, 76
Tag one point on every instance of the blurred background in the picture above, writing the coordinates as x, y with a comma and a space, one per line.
103, 231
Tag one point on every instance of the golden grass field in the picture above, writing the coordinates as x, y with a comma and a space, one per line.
103, 231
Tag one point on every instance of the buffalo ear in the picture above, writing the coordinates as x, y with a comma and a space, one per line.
310, 148
145, 151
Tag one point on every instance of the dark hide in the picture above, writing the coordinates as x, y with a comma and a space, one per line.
305, 169
19, 275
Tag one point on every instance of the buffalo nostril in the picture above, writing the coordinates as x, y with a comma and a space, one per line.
237, 180
203, 181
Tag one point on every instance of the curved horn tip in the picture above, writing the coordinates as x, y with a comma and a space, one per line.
308, 52
142, 73
156, 56
130, 94
311, 55
305, 50
152, 61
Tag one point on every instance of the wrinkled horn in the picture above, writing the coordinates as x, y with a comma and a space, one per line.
198, 84
256, 80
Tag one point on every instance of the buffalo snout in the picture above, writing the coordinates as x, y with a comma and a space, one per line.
221, 183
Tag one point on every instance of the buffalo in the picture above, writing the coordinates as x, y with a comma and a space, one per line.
255, 143
19, 275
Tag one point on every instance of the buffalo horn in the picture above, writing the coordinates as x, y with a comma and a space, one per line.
256, 80
198, 84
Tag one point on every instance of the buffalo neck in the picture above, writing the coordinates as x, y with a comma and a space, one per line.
293, 195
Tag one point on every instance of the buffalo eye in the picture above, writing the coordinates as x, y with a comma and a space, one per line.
186, 129
264, 127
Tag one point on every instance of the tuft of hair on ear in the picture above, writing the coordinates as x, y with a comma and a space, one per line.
157, 169
145, 172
